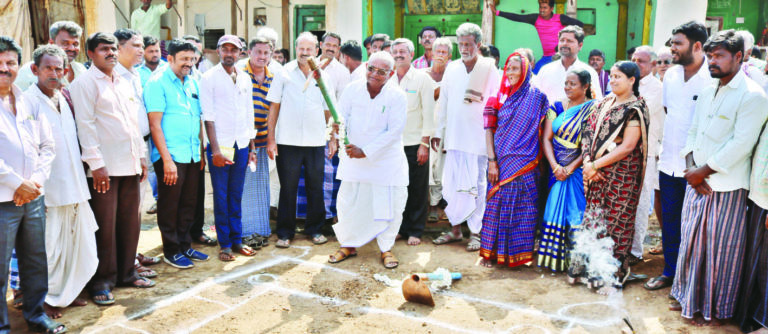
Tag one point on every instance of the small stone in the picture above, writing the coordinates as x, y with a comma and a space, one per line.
423, 324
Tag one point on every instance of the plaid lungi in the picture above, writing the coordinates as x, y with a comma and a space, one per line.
255, 204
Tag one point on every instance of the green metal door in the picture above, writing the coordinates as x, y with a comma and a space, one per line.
309, 18
447, 25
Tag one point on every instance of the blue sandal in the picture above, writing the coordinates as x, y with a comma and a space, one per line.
109, 301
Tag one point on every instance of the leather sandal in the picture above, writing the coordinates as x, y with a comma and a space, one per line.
342, 254
244, 250
389, 260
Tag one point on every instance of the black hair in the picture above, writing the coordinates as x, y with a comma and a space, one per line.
693, 31
150, 40
631, 52
585, 79
631, 70
331, 34
99, 38
7, 44
367, 41
430, 28
485, 51
124, 34
352, 50
286, 54
192, 37
551, 3
242, 41
386, 44
577, 32
176, 45
728, 40
494, 51
258, 40
597, 53
52, 50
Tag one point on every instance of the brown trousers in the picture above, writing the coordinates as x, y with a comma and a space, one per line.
118, 217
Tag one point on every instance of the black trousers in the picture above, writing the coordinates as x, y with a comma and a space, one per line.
196, 231
176, 206
289, 161
415, 213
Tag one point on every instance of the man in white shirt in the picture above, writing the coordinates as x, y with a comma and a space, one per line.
651, 91
751, 70
419, 126
65, 34
114, 150
551, 78
351, 55
70, 242
25, 164
299, 118
682, 86
338, 74
373, 170
225, 99
466, 162
729, 116
146, 19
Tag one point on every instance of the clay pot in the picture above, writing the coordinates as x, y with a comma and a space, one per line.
414, 290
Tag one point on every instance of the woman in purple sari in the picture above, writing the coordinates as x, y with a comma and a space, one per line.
513, 128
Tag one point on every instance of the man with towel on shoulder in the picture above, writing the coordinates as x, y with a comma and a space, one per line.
465, 89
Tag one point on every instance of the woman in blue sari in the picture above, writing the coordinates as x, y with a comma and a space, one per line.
562, 147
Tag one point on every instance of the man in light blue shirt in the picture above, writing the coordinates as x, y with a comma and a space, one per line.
152, 62
173, 106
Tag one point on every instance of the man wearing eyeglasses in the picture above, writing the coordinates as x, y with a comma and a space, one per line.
299, 117
373, 169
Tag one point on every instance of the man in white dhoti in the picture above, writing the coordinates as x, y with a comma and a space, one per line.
374, 170
70, 239
464, 90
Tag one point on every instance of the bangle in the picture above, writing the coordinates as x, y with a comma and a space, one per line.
424, 144
593, 165
491, 159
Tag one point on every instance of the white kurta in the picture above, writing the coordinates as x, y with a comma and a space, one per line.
70, 242
373, 189
464, 177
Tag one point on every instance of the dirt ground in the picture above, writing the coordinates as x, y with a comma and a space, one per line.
296, 291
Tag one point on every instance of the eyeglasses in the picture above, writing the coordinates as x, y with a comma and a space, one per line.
378, 71
665, 62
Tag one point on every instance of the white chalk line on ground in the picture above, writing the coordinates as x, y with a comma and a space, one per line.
280, 259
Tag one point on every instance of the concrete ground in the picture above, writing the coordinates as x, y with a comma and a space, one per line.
296, 291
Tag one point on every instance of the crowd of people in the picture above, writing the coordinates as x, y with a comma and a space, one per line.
554, 160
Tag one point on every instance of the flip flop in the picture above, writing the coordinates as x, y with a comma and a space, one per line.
446, 238
226, 255
150, 283
658, 282
148, 260
109, 301
244, 250
474, 243
47, 326
205, 240
658, 250
283, 243
144, 271
389, 260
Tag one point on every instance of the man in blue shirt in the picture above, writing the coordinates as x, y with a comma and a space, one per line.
173, 107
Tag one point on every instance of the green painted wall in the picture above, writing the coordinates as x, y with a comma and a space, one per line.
384, 17
635, 17
730, 10
512, 35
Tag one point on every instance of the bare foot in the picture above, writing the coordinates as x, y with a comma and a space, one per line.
398, 237
715, 322
698, 320
486, 263
79, 302
414, 241
607, 290
52, 312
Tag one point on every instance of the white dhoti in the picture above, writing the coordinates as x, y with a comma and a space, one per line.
644, 204
274, 184
70, 245
367, 211
464, 188
436, 162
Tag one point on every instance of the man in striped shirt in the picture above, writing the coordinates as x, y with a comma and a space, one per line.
255, 204
427, 36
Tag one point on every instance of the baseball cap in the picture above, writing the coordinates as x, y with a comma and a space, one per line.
231, 39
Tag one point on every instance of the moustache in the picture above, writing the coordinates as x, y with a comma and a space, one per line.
399, 58
8, 74
715, 67
185, 67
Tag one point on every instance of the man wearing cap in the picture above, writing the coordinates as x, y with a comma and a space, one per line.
225, 100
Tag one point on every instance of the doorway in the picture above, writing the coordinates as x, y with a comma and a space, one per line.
309, 18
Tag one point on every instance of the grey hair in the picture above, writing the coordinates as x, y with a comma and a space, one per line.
749, 39
268, 33
70, 27
663, 51
306, 36
647, 49
470, 29
385, 57
443, 41
405, 41
49, 50
528, 53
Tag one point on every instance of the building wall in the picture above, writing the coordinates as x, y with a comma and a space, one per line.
511, 35
731, 10
672, 13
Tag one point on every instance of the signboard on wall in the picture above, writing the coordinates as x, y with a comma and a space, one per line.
433, 7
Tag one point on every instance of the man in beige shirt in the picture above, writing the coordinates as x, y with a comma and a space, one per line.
114, 151
420, 91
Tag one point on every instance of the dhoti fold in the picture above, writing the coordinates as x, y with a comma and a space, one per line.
367, 211
464, 188
70, 244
